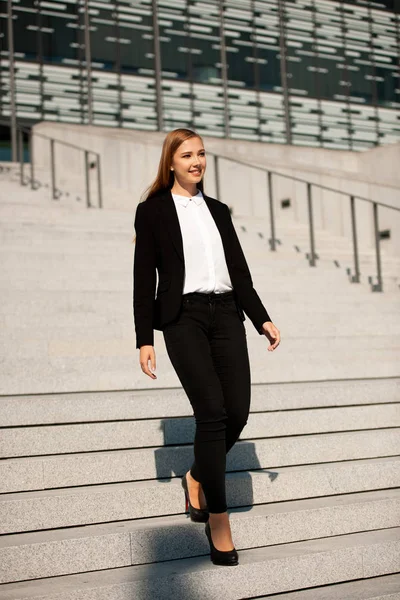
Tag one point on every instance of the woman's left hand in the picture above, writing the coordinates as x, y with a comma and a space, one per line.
272, 333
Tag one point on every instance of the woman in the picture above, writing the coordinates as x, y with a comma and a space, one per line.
204, 288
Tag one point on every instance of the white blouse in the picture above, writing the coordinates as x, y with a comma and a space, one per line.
205, 264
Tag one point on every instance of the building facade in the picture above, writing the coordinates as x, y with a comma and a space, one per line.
307, 72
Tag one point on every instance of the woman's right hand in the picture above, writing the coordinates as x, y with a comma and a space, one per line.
147, 353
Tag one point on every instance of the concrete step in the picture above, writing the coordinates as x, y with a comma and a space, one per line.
97, 462
133, 542
92, 342
113, 303
324, 248
69, 279
19, 196
113, 463
49, 239
91, 504
121, 259
22, 319
285, 236
71, 186
20, 233
266, 570
147, 433
65, 273
288, 233
287, 276
86, 222
118, 259
87, 246
87, 252
326, 260
115, 365
66, 218
374, 588
161, 403
98, 279
86, 325
318, 295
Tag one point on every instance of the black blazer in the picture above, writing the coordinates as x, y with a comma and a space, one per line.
159, 246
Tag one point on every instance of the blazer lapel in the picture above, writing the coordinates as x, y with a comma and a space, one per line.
171, 221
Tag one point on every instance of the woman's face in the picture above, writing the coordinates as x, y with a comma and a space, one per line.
189, 161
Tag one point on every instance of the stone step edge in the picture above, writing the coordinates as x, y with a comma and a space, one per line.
30, 552
171, 403
144, 393
269, 569
146, 483
274, 441
127, 526
386, 587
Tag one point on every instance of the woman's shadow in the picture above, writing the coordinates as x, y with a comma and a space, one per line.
175, 536
175, 457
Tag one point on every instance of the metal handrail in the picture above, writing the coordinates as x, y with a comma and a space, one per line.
293, 178
55, 192
312, 255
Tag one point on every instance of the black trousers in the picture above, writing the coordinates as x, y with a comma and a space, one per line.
207, 346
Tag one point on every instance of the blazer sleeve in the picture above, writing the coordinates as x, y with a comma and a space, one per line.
144, 278
248, 297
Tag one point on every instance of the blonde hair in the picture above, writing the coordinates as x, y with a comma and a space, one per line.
165, 177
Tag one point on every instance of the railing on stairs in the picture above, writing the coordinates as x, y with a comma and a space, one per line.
312, 255
56, 193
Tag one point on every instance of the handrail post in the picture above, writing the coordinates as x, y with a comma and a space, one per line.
88, 205
356, 276
271, 212
53, 170
99, 182
21, 156
217, 181
31, 159
311, 258
379, 286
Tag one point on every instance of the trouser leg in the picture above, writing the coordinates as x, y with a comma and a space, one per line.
229, 353
189, 350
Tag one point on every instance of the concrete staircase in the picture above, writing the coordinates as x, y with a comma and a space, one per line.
91, 506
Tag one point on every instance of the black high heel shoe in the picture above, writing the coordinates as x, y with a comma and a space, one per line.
198, 515
221, 557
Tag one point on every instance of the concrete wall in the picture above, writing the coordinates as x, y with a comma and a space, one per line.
129, 160
381, 163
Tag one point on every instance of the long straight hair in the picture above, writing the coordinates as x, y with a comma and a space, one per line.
165, 177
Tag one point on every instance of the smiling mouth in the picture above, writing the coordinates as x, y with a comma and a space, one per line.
197, 172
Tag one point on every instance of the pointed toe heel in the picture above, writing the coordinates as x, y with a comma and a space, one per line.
220, 557
198, 515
